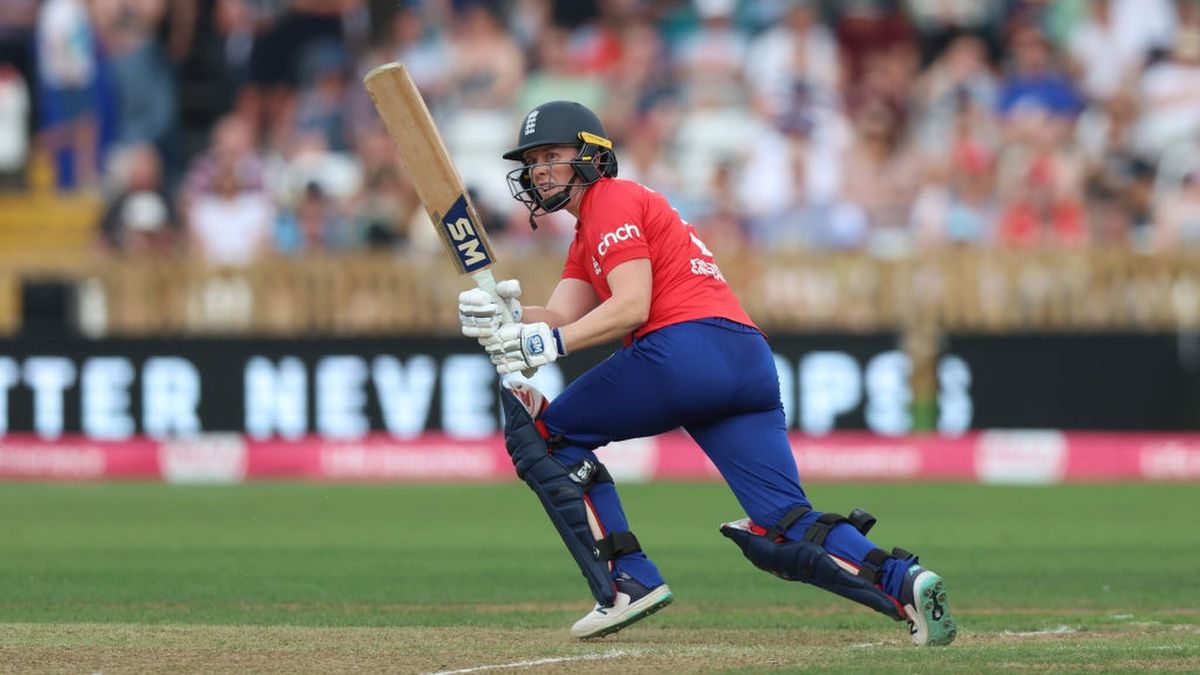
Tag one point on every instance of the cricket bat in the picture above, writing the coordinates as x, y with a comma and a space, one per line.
441, 189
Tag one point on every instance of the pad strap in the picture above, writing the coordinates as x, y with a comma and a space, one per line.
616, 545
861, 520
786, 522
587, 473
872, 565
820, 529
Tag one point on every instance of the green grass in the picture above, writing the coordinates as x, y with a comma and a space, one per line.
1098, 559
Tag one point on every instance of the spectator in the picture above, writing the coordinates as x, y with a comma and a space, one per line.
710, 59
308, 160
558, 74
17, 21
721, 225
645, 157
181, 24
416, 37
14, 127
713, 98
868, 31
797, 53
1105, 63
1146, 25
790, 184
286, 32
144, 228
312, 226
1114, 170
233, 149
638, 81
1034, 81
881, 173
597, 45
146, 101
320, 106
1169, 92
487, 65
384, 210
234, 27
135, 170
712, 129
955, 205
1177, 218
940, 23
1110, 224
957, 87
487, 72
1042, 211
230, 225
68, 74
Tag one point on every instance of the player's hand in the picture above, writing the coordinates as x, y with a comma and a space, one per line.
480, 315
525, 346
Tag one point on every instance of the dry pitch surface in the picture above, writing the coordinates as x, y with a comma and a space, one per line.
1126, 646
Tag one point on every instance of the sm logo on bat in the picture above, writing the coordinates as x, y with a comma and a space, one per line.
461, 231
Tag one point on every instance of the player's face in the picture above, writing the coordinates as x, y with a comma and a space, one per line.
550, 167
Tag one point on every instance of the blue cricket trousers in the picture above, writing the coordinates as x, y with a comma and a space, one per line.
715, 378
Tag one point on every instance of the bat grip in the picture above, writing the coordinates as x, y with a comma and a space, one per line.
486, 282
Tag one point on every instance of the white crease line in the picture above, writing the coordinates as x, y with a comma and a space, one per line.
1060, 630
613, 654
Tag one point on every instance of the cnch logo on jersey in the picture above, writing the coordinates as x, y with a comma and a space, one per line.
622, 233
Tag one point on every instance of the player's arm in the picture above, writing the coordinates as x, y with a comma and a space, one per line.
617, 316
571, 299
522, 346
481, 316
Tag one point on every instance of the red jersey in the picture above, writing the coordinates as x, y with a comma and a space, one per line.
621, 220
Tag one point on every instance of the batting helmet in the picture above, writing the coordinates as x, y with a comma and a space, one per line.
560, 123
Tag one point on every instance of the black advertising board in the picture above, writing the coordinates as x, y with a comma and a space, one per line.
344, 388
1132, 381
341, 387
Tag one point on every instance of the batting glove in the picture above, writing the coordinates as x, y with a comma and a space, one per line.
480, 315
525, 346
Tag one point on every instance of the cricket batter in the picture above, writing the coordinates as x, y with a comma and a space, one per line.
693, 359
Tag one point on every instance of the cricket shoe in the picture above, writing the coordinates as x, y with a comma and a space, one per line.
634, 602
923, 596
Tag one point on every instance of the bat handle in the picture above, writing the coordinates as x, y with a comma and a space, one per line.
486, 282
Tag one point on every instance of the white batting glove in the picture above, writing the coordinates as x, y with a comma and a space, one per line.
479, 314
525, 346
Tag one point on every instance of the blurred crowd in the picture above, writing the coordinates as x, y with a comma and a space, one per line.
236, 129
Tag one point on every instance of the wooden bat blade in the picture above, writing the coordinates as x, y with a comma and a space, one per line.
420, 145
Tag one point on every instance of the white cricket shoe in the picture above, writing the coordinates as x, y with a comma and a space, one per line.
924, 599
634, 602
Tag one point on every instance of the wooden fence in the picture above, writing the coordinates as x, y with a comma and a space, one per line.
960, 291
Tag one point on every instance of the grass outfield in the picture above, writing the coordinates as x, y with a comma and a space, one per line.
421, 578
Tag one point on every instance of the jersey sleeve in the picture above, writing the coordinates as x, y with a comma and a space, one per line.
572, 267
618, 229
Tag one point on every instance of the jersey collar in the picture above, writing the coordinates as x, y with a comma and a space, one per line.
587, 199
